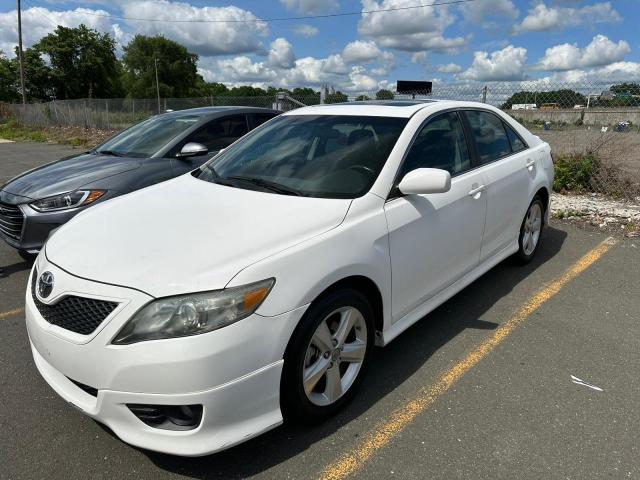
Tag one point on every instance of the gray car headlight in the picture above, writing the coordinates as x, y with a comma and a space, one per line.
64, 201
193, 314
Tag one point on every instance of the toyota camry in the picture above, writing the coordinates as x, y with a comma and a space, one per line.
200, 312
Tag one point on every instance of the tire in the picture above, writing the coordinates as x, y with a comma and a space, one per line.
309, 353
530, 231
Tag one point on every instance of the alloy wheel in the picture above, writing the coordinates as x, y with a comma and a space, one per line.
334, 356
532, 228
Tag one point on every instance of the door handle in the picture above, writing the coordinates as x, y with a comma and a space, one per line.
530, 164
476, 190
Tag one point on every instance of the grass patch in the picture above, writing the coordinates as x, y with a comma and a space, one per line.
76, 136
12, 131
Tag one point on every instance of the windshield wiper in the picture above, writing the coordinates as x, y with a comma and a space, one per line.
266, 184
109, 152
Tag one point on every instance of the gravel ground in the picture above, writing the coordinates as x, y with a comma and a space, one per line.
614, 216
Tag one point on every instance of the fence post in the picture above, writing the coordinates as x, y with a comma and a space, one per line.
106, 104
55, 110
86, 119
484, 94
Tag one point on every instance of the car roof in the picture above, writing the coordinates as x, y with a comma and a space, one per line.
212, 111
383, 108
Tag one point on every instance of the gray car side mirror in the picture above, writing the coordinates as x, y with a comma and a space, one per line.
192, 149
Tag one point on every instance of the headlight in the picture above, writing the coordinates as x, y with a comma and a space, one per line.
193, 314
64, 201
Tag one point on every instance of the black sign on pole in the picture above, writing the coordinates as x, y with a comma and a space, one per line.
414, 87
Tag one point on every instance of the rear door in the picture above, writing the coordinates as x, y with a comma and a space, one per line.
435, 239
506, 163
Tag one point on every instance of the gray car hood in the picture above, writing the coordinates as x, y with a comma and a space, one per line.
67, 175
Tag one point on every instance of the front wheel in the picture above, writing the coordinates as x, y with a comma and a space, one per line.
530, 231
327, 356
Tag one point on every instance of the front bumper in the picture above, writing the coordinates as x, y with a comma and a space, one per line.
37, 226
232, 413
234, 372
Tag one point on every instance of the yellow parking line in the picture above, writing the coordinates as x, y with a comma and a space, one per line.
354, 459
11, 313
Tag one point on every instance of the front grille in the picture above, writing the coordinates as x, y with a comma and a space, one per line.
76, 314
11, 220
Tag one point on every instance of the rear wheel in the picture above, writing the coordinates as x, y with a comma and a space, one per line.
327, 356
530, 231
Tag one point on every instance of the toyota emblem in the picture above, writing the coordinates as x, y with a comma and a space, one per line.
45, 284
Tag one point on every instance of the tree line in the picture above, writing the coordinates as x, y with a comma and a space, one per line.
623, 94
82, 63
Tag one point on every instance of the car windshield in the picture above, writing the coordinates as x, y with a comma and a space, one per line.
146, 138
311, 155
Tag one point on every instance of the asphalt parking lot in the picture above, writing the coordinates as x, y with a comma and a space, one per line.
479, 389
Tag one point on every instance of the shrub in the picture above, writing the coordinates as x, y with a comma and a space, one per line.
575, 172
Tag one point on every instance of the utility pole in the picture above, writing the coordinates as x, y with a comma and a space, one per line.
21, 56
157, 84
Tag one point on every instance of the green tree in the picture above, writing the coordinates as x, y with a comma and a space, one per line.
336, 97
565, 98
83, 62
177, 72
8, 80
37, 76
626, 89
383, 94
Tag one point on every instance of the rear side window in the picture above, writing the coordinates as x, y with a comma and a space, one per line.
440, 144
489, 134
517, 145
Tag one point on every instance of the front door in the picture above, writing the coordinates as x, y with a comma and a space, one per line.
435, 239
215, 135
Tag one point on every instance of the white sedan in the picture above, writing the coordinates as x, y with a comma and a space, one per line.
195, 314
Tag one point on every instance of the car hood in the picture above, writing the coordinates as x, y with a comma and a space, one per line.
67, 174
186, 235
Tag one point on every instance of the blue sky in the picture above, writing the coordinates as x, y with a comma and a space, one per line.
475, 42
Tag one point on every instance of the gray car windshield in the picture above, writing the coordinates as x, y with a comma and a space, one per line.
146, 138
310, 155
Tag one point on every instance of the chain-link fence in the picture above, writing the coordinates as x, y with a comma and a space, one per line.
593, 128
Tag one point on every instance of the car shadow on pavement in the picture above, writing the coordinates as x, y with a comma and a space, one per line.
8, 270
391, 367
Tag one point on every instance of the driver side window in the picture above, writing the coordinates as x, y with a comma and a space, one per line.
440, 144
220, 133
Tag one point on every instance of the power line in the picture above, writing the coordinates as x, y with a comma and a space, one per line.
284, 19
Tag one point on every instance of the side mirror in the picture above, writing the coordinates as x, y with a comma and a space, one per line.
192, 149
425, 180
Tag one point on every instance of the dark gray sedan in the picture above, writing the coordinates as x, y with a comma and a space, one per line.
162, 147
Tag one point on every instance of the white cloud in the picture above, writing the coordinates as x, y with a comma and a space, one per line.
361, 52
311, 6
199, 37
304, 30
601, 51
419, 57
501, 65
542, 18
478, 12
413, 30
237, 70
281, 54
38, 22
449, 68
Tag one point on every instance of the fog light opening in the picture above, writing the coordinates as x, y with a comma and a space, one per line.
168, 417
